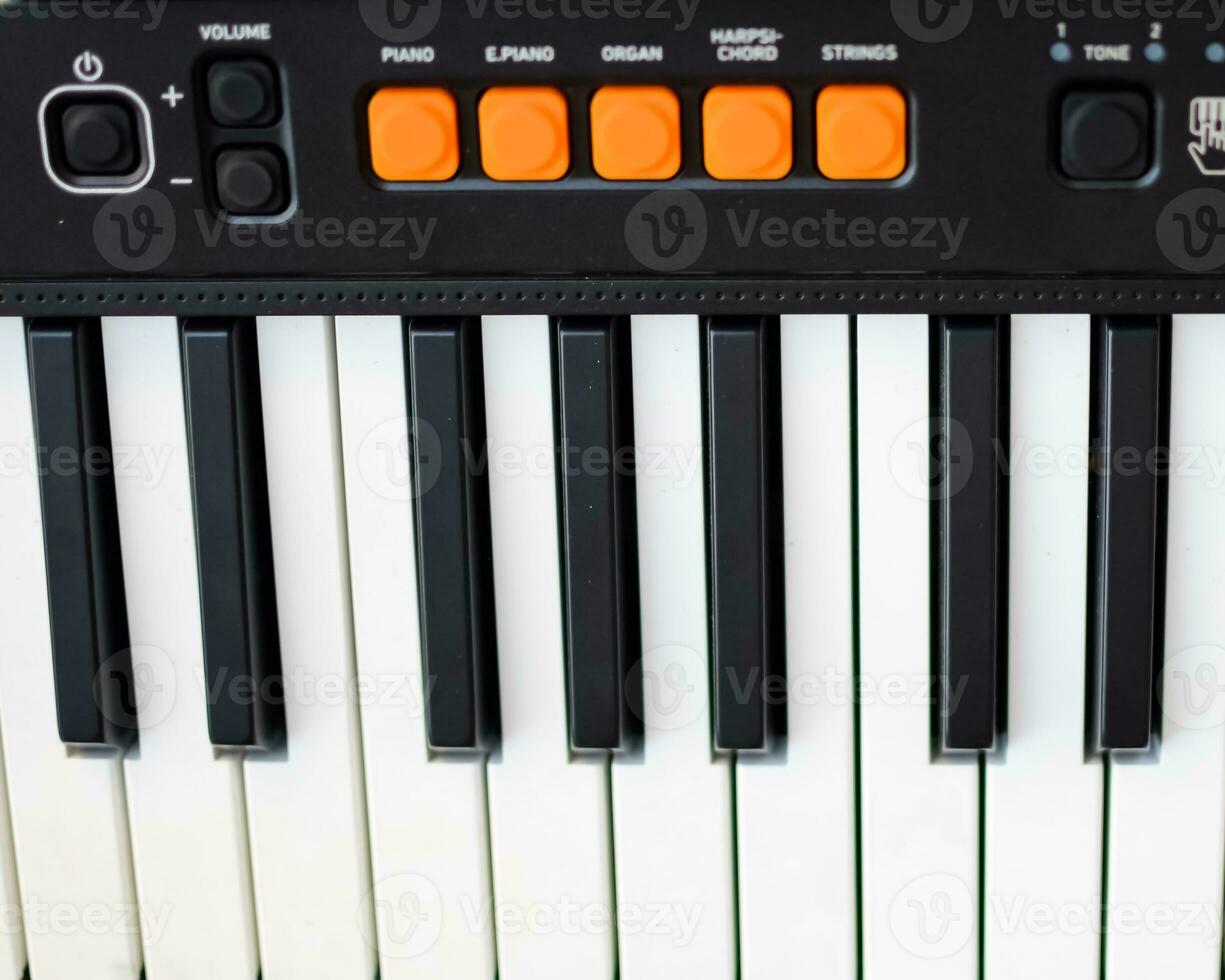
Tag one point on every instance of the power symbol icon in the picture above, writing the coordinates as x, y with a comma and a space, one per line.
87, 66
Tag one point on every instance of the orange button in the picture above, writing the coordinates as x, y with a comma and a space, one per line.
747, 132
525, 133
861, 132
413, 134
635, 132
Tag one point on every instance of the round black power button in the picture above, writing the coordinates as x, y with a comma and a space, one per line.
99, 139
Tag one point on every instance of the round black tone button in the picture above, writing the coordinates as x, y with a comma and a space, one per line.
1106, 135
242, 93
250, 181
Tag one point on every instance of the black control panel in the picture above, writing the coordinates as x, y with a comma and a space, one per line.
967, 147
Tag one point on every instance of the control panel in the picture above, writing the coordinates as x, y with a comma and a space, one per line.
504, 140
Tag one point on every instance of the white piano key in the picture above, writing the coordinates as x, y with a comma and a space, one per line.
305, 805
549, 813
796, 812
428, 831
69, 816
186, 807
12, 938
919, 818
1043, 804
1167, 820
672, 807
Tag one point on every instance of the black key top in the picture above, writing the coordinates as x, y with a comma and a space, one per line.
744, 513
229, 481
91, 659
970, 529
1129, 435
599, 564
454, 554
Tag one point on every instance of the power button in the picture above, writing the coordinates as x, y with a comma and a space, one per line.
96, 138
100, 138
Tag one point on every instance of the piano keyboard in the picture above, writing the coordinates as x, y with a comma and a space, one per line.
657, 646
628, 491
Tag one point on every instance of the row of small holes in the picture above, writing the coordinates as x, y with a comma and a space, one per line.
561, 296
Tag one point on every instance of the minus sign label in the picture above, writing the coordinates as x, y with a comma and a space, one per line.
180, 180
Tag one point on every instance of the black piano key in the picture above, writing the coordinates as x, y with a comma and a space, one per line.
744, 514
599, 564
454, 552
91, 658
1129, 436
970, 529
229, 480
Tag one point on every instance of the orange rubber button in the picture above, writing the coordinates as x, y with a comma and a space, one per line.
635, 132
861, 132
413, 134
525, 133
747, 132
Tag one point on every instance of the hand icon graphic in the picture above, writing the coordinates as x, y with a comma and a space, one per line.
1208, 129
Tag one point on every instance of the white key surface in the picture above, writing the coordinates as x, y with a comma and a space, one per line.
69, 816
672, 806
1043, 804
186, 808
548, 812
919, 820
12, 937
306, 805
1167, 820
428, 829
796, 809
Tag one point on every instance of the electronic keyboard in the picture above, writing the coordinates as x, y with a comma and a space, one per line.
657, 489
